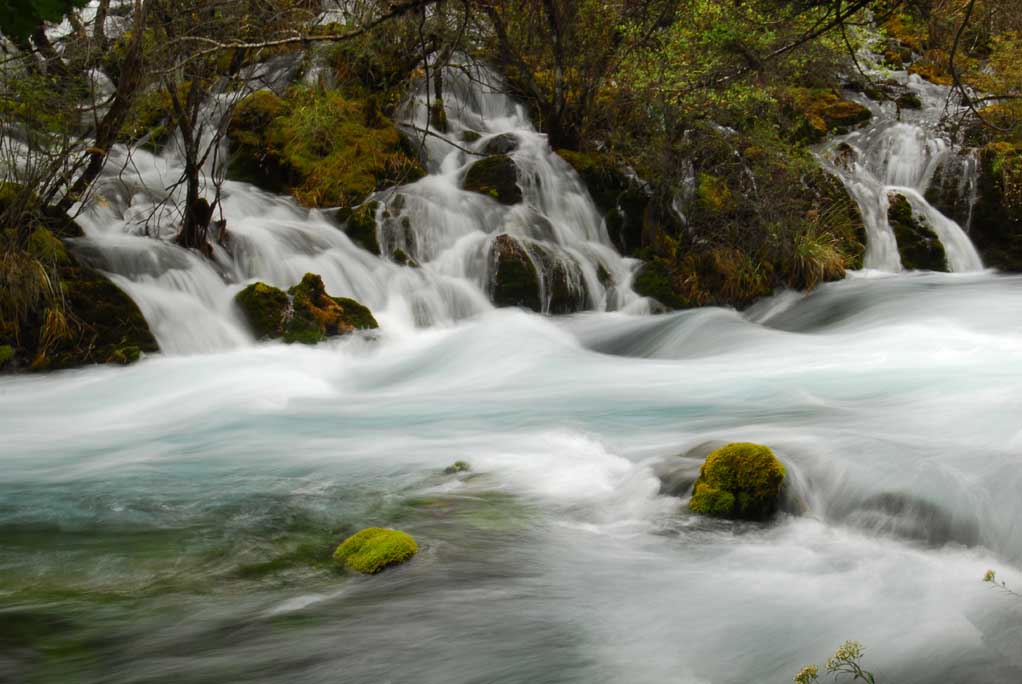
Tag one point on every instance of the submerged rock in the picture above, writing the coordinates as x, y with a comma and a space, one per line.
504, 143
374, 549
305, 313
496, 177
739, 481
919, 246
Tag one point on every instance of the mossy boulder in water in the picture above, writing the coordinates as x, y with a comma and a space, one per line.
305, 313
374, 549
919, 246
514, 278
504, 143
495, 177
265, 308
739, 481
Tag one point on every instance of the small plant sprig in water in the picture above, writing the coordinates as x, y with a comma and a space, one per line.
845, 661
991, 577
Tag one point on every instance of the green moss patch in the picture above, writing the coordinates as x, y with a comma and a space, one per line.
375, 549
740, 481
328, 150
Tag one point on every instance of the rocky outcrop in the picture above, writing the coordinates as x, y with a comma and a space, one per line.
918, 245
304, 314
496, 177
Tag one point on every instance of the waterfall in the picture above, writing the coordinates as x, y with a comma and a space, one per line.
449, 232
899, 152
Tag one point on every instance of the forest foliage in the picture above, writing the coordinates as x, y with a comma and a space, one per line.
658, 104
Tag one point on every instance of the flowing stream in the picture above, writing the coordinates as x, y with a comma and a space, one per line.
172, 521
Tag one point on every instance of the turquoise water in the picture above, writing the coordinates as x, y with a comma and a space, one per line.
173, 521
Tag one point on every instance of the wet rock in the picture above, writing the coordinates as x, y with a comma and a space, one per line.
495, 177
514, 278
918, 245
505, 143
360, 226
996, 226
906, 516
739, 481
375, 549
655, 280
564, 286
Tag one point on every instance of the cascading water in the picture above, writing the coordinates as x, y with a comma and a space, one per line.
448, 231
899, 152
174, 520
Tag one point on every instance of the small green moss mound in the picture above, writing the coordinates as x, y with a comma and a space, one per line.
457, 467
739, 481
375, 549
265, 307
495, 177
919, 246
6, 354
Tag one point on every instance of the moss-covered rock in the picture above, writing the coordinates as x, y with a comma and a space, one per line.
374, 549
265, 308
328, 150
103, 325
654, 279
996, 227
514, 280
495, 177
305, 314
918, 245
739, 481
457, 467
6, 354
822, 111
315, 315
909, 101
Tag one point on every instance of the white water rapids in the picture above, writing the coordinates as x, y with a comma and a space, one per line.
168, 521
